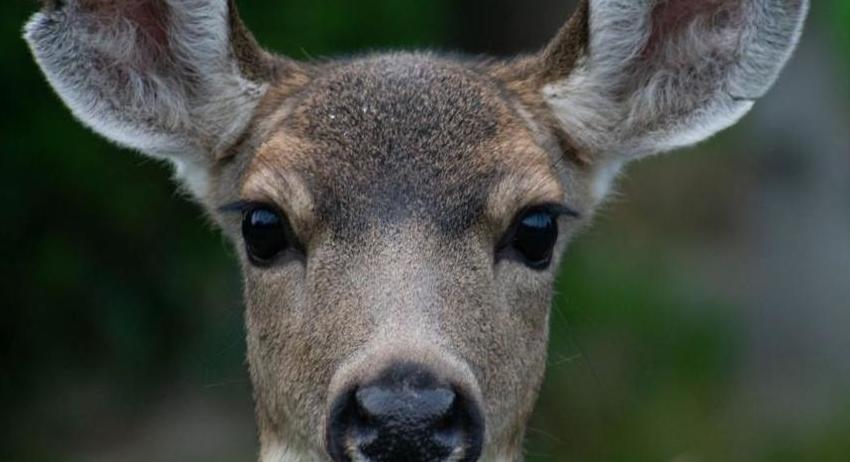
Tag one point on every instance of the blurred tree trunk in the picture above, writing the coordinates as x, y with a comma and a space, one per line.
796, 260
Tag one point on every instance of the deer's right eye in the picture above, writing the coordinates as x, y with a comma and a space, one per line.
266, 235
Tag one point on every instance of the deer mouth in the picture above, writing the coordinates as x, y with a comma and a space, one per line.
355, 454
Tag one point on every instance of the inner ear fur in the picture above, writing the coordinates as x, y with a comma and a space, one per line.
629, 78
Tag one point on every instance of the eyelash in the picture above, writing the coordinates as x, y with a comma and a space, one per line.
556, 210
242, 206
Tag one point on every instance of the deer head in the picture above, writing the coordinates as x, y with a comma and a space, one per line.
400, 217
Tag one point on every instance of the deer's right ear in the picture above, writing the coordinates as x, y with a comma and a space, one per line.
175, 79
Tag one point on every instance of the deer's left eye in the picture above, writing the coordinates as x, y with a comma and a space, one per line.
535, 238
532, 238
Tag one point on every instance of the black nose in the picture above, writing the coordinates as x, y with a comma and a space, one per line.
407, 415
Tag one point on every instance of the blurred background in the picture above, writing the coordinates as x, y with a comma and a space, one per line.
705, 317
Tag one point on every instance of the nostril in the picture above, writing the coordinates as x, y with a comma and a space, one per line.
451, 428
365, 407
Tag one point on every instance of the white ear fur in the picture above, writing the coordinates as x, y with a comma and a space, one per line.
181, 100
639, 89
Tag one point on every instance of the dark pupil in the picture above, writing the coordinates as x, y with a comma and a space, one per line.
535, 237
264, 235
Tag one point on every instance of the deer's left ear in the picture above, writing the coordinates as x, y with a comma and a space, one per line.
629, 78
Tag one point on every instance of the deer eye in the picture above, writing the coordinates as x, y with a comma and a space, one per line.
266, 234
533, 237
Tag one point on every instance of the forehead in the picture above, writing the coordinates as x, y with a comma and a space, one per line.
391, 138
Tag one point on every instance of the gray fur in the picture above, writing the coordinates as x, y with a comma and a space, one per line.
409, 115
182, 101
639, 90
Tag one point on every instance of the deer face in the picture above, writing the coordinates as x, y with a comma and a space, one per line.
417, 217
400, 217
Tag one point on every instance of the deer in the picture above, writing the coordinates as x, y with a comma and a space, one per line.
399, 217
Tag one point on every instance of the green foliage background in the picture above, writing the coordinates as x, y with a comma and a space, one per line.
115, 290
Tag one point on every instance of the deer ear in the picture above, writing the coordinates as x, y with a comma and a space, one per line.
629, 78
175, 79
